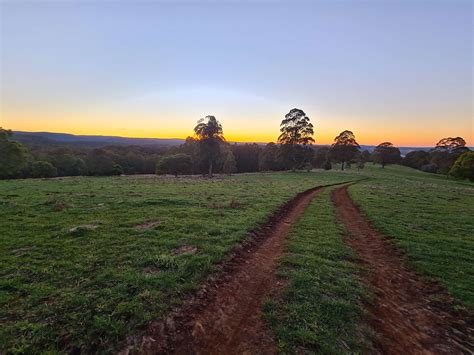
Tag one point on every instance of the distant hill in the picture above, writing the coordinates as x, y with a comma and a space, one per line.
47, 138
92, 141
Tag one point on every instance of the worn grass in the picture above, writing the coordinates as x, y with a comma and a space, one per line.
64, 288
430, 218
319, 311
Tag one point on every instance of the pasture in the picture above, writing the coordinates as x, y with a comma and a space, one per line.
87, 262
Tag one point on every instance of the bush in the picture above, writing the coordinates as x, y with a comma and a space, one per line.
429, 168
463, 168
43, 169
175, 164
327, 165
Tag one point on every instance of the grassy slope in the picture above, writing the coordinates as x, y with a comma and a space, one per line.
320, 309
61, 290
430, 217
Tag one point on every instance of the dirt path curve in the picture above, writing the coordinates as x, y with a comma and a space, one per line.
404, 312
225, 317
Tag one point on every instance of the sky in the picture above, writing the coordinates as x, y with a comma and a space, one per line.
388, 70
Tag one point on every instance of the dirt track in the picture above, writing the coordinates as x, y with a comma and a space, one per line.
225, 317
403, 313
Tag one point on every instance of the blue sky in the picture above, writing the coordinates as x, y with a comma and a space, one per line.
388, 70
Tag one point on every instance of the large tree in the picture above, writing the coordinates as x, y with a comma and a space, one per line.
296, 132
446, 152
210, 135
385, 153
12, 155
452, 145
344, 147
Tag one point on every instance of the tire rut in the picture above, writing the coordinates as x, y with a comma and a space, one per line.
405, 313
225, 316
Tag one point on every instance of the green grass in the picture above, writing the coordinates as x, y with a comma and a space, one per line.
430, 218
63, 289
320, 308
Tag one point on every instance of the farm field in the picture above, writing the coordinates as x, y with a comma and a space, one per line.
87, 262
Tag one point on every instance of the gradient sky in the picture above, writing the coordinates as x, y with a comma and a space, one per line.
399, 71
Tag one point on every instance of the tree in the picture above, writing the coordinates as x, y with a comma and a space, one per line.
452, 145
13, 155
269, 158
100, 163
209, 133
320, 156
43, 169
446, 152
246, 157
344, 148
67, 164
463, 168
174, 164
416, 159
296, 130
385, 153
229, 165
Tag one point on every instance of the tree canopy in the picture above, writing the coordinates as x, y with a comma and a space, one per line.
452, 145
344, 147
463, 168
209, 133
296, 132
385, 153
296, 128
13, 155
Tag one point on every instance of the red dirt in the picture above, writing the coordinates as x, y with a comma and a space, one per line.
225, 316
404, 312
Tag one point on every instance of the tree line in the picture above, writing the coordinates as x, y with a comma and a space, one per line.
207, 152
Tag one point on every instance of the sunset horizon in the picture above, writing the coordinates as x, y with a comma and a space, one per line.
388, 71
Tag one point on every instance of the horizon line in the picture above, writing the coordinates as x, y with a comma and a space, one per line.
183, 139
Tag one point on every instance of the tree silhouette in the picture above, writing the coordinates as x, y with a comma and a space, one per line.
174, 164
344, 148
385, 153
209, 133
452, 145
296, 130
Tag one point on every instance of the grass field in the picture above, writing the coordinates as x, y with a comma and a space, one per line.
320, 309
86, 262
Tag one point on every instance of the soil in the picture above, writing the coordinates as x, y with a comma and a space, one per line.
225, 316
147, 225
409, 314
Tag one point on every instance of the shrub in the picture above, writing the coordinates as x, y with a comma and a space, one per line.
327, 165
463, 168
429, 168
175, 164
43, 169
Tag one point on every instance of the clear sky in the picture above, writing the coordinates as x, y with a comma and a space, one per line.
399, 71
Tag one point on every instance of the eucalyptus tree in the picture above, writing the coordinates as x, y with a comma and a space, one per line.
210, 135
296, 133
344, 147
386, 153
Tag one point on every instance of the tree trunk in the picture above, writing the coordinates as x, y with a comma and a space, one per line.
342, 165
210, 167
